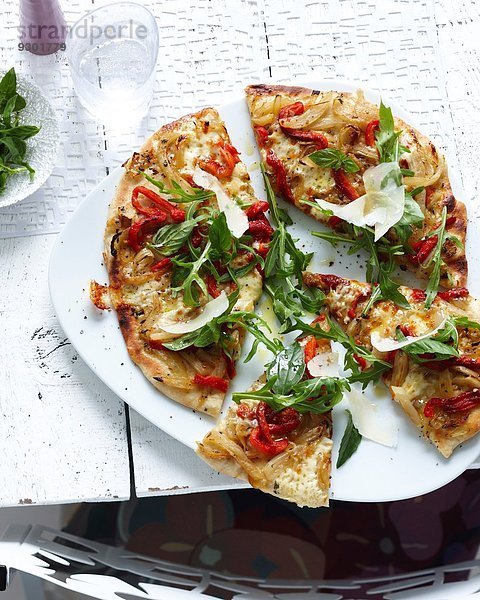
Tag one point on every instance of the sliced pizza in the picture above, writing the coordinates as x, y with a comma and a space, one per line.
429, 358
279, 436
347, 162
183, 243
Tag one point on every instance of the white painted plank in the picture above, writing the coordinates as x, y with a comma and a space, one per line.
62, 432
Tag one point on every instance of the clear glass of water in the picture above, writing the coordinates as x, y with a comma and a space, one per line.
112, 53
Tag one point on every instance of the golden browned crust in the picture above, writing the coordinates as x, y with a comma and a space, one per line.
170, 372
454, 269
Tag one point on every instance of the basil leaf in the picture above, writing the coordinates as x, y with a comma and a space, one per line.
334, 159
8, 87
287, 367
412, 216
350, 441
387, 139
170, 238
220, 237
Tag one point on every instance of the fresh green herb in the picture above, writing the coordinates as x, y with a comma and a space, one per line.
13, 146
317, 395
350, 441
169, 239
435, 261
284, 266
378, 271
412, 217
354, 352
177, 193
441, 346
466, 323
387, 139
331, 158
287, 368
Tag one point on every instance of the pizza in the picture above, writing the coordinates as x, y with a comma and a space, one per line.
432, 356
182, 245
321, 150
286, 452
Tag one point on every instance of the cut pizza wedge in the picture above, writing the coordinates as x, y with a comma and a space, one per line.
429, 358
285, 452
182, 244
347, 162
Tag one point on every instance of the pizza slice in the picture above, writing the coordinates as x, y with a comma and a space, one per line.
183, 243
349, 163
279, 435
429, 358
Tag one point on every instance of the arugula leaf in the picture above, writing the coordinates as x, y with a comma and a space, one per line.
436, 261
177, 192
287, 368
387, 139
193, 283
442, 345
317, 395
466, 323
335, 333
350, 441
334, 159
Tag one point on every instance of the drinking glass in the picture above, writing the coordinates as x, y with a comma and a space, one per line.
112, 53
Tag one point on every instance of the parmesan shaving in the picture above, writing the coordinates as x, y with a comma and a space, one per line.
237, 220
324, 364
214, 308
383, 344
373, 424
380, 207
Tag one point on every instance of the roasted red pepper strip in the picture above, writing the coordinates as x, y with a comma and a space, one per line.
418, 295
461, 361
161, 265
283, 421
176, 214
211, 381
334, 221
280, 176
256, 209
370, 132
310, 349
262, 421
331, 282
344, 185
260, 229
463, 402
301, 135
141, 228
425, 249
212, 287
291, 110
454, 294
353, 307
268, 448
155, 344
245, 412
230, 158
407, 331
262, 135
360, 361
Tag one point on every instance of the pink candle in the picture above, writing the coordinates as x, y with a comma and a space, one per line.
42, 26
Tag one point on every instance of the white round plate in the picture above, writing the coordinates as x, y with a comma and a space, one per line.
374, 473
42, 149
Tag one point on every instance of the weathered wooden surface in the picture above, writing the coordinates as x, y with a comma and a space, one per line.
63, 433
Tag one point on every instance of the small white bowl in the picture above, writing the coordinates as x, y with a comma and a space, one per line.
42, 149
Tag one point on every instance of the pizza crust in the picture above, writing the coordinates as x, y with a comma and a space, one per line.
170, 372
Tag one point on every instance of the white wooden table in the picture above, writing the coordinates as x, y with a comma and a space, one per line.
64, 437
